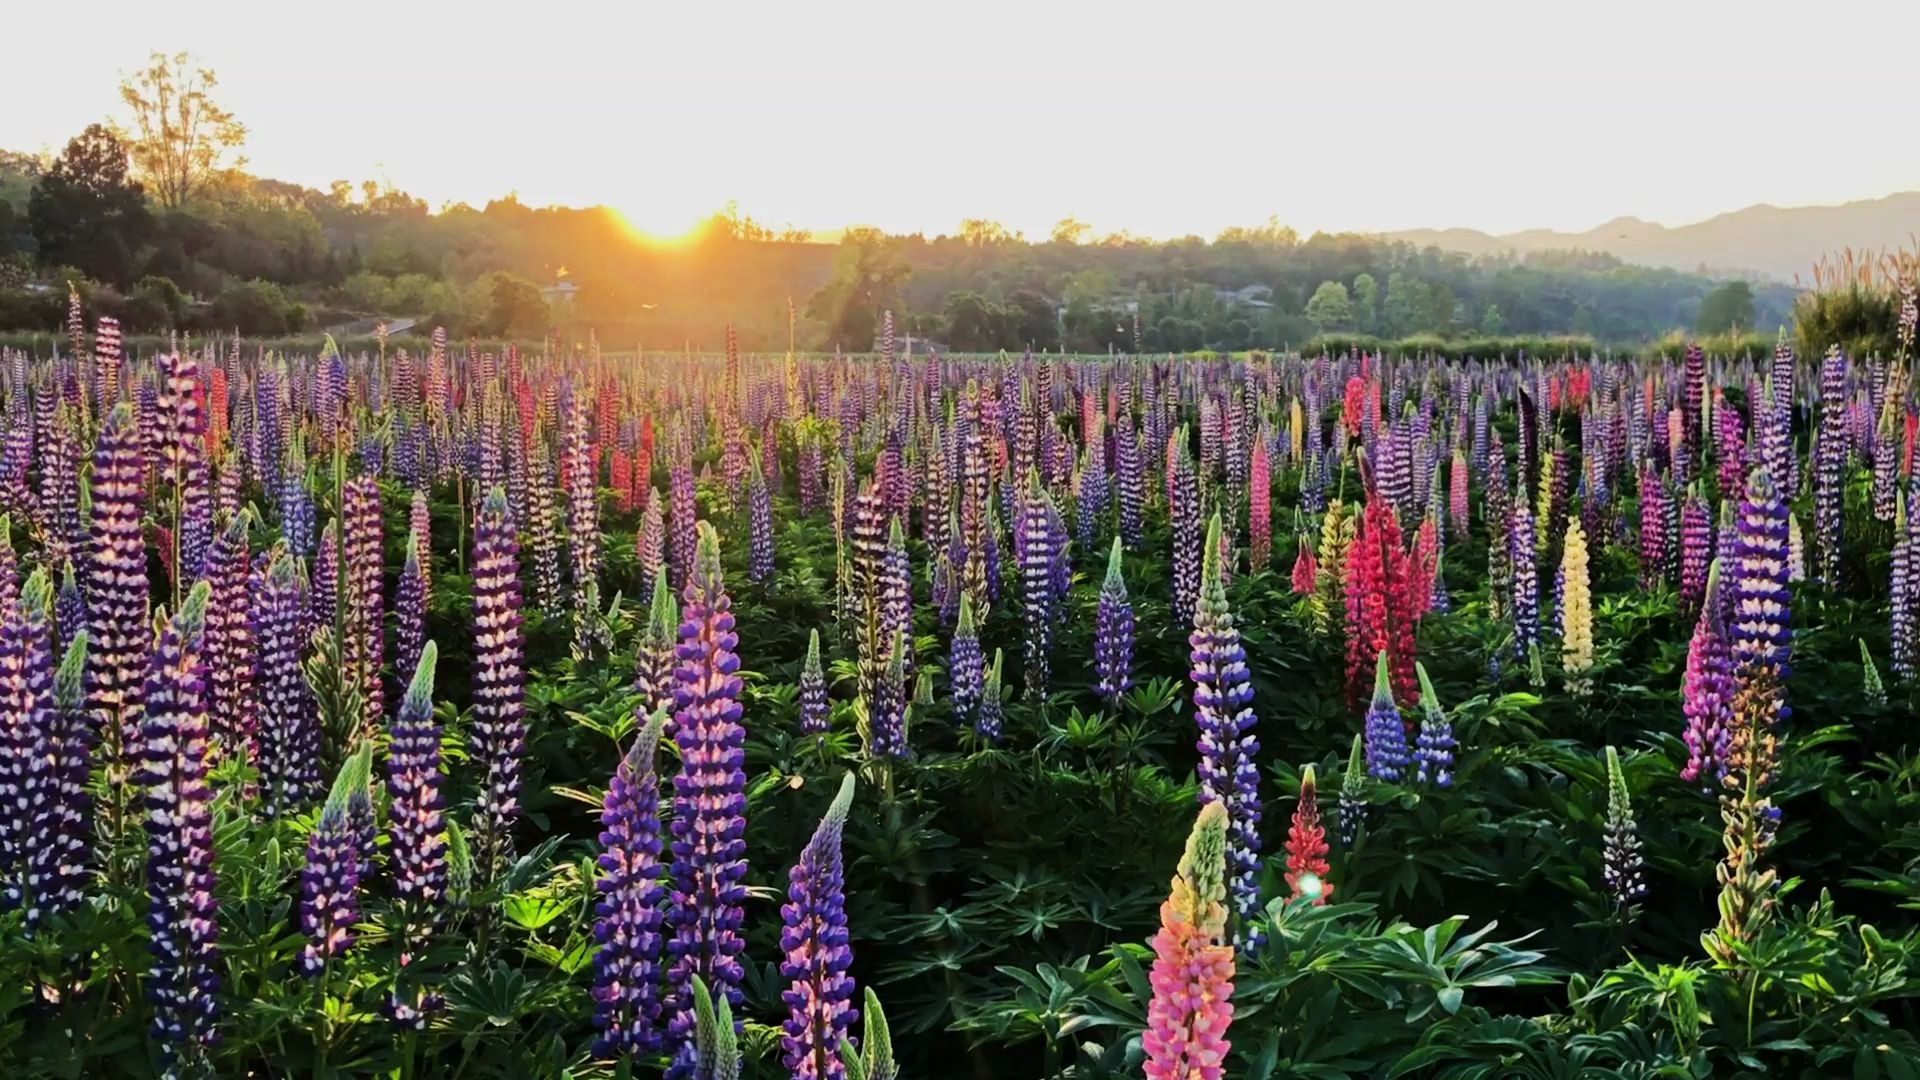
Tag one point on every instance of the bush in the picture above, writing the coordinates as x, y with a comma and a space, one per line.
255, 308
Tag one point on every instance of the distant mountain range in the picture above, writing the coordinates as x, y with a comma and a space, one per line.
1768, 241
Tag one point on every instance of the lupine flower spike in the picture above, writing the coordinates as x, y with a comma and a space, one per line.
1621, 863
1113, 633
1307, 867
631, 913
1433, 750
1193, 964
814, 941
1386, 732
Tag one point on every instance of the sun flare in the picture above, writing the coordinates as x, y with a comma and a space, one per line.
663, 224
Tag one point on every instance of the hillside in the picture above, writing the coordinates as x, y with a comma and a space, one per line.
1779, 242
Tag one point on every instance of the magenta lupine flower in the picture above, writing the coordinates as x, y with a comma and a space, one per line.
26, 721
499, 735
1830, 465
1036, 576
653, 659
60, 833
1222, 699
1192, 977
410, 611
631, 913
966, 664
289, 731
1694, 373
709, 802
230, 642
1733, 450
182, 982
118, 631
1386, 732
364, 645
416, 826
330, 887
1696, 550
1760, 628
651, 546
815, 710
818, 955
1655, 552
1706, 697
1113, 634
759, 525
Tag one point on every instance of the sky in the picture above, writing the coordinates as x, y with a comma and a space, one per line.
1162, 120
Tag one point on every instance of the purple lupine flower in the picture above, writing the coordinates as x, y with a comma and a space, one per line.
1386, 732
1761, 625
1133, 486
330, 886
1622, 867
631, 912
416, 826
1903, 596
499, 735
324, 599
815, 710
1433, 749
684, 516
1830, 466
420, 537
59, 834
1113, 634
709, 802
182, 983
1696, 550
1353, 795
989, 716
542, 531
887, 719
1694, 391
1526, 582
230, 644
896, 595
818, 957
289, 727
653, 659
69, 610
966, 664
26, 721
1091, 501
1655, 553
1222, 699
365, 644
1706, 696
297, 514
590, 634
1184, 508
410, 609
117, 596
759, 525
1036, 575
868, 575
651, 546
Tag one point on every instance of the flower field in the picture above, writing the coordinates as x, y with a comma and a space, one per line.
446, 713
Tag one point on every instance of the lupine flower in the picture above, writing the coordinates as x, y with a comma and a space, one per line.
289, 726
1183, 493
26, 722
1750, 820
1829, 464
117, 588
1526, 587
1113, 633
1761, 624
69, 610
59, 833
416, 826
230, 642
652, 544
1576, 613
182, 983
364, 646
1193, 964
1330, 586
1654, 552
1707, 693
1306, 569
1222, 697
987, 718
814, 939
499, 734
815, 709
709, 801
330, 886
887, 712
1870, 685
1386, 732
631, 913
1696, 550
1433, 749
685, 514
1384, 601
760, 524
1036, 575
1260, 508
1903, 597
966, 665
410, 612
1307, 867
653, 659
1621, 864
1353, 795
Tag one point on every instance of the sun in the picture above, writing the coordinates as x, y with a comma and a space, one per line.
664, 223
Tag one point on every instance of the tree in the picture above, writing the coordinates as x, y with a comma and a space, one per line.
1491, 324
1366, 303
252, 308
868, 278
1406, 306
85, 213
979, 232
1329, 308
180, 132
1032, 320
1728, 306
1070, 230
516, 309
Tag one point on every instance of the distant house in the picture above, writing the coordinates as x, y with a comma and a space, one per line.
560, 294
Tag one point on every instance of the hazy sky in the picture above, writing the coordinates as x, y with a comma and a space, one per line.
1162, 119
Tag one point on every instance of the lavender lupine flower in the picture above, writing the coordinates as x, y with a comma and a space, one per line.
297, 514
1133, 486
1091, 501
1707, 692
1830, 464
230, 642
324, 600
709, 802
966, 664
1036, 576
685, 514
1113, 633
1654, 549
590, 634
1386, 732
69, 609
117, 595
1222, 699
1526, 581
1621, 864
815, 710
1184, 493
59, 834
364, 647
1761, 625
330, 886
289, 727
814, 938
182, 982
1696, 550
987, 719
542, 531
416, 826
410, 611
499, 735
26, 715
1433, 749
651, 547
759, 524
631, 913
1353, 795
887, 711
1904, 586
653, 659
896, 595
